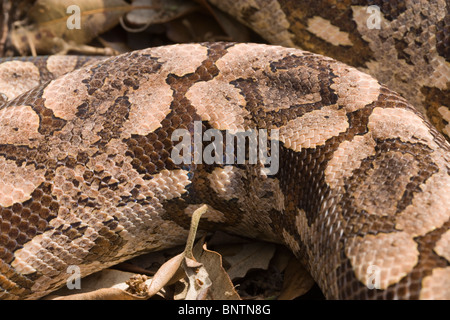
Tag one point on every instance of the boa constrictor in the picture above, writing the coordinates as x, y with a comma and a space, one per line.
87, 176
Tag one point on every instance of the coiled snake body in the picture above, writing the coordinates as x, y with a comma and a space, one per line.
87, 176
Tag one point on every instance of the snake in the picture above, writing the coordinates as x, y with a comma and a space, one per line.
89, 175
403, 44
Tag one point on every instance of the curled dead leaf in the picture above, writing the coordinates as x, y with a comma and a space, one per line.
221, 288
165, 274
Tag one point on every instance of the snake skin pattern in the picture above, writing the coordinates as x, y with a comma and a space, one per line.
408, 51
87, 178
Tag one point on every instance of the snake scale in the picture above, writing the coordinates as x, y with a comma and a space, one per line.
87, 176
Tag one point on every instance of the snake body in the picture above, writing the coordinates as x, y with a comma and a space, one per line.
87, 176
403, 44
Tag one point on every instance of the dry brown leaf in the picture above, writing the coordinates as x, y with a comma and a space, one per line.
255, 255
163, 276
297, 281
195, 219
222, 288
198, 278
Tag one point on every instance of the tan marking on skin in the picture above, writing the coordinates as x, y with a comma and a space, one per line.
301, 222
314, 129
290, 241
211, 214
429, 209
179, 59
442, 247
19, 125
219, 103
347, 158
440, 77
59, 65
268, 20
221, 181
155, 92
435, 286
17, 77
326, 31
169, 185
395, 254
65, 94
355, 89
20, 264
22, 256
149, 107
17, 183
400, 123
